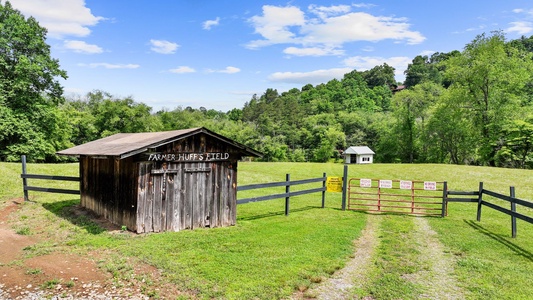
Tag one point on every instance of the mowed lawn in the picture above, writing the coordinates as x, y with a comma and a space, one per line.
268, 255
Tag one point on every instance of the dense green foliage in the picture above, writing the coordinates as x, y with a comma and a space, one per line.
30, 119
464, 107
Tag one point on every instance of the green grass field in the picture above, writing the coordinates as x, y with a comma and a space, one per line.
268, 255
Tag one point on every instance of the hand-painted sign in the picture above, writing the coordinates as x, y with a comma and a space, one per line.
406, 184
366, 183
386, 184
333, 184
195, 170
430, 185
188, 157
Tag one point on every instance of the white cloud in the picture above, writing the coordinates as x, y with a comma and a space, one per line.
210, 23
274, 25
110, 66
363, 5
335, 26
82, 47
230, 70
182, 70
163, 47
60, 17
363, 63
312, 51
523, 11
360, 26
324, 12
227, 70
520, 27
313, 77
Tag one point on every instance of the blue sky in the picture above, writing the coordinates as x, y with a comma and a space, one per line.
218, 53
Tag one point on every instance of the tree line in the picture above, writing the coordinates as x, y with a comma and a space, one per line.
473, 106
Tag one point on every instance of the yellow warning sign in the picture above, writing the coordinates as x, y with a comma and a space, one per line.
334, 184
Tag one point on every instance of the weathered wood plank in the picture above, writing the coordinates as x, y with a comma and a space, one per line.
176, 200
143, 190
169, 198
214, 217
148, 217
232, 195
157, 202
188, 190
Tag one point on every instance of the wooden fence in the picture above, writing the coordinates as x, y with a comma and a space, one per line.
478, 197
25, 176
287, 184
448, 195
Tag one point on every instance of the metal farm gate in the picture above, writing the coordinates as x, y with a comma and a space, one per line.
398, 196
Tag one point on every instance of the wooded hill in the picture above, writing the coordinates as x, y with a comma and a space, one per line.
473, 106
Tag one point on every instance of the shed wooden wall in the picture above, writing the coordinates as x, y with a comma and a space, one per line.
189, 200
109, 188
184, 199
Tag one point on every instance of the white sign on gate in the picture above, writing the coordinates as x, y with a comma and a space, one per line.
366, 183
386, 184
406, 185
430, 185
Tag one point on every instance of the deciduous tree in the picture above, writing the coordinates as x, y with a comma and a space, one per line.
29, 90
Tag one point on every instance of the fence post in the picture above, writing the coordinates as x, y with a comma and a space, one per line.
513, 209
287, 190
344, 186
444, 199
324, 191
479, 200
24, 180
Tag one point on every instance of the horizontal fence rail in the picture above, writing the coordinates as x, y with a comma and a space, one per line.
462, 199
288, 193
481, 199
25, 176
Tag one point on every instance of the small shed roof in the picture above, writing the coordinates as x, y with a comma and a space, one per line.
127, 144
359, 150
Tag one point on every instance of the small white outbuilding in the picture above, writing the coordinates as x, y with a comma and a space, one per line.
358, 155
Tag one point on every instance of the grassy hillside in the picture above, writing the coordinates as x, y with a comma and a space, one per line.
269, 256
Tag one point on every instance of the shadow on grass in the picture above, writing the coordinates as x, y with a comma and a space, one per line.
85, 219
515, 248
278, 213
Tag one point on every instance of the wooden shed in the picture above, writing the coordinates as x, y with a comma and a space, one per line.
358, 155
161, 181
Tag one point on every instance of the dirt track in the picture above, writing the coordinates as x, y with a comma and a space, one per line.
438, 280
63, 275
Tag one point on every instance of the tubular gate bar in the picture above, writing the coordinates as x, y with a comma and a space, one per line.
25, 176
398, 196
287, 184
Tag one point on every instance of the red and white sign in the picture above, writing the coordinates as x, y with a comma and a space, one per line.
386, 184
366, 183
406, 185
430, 185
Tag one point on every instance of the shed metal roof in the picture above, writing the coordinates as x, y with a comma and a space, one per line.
127, 144
359, 150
